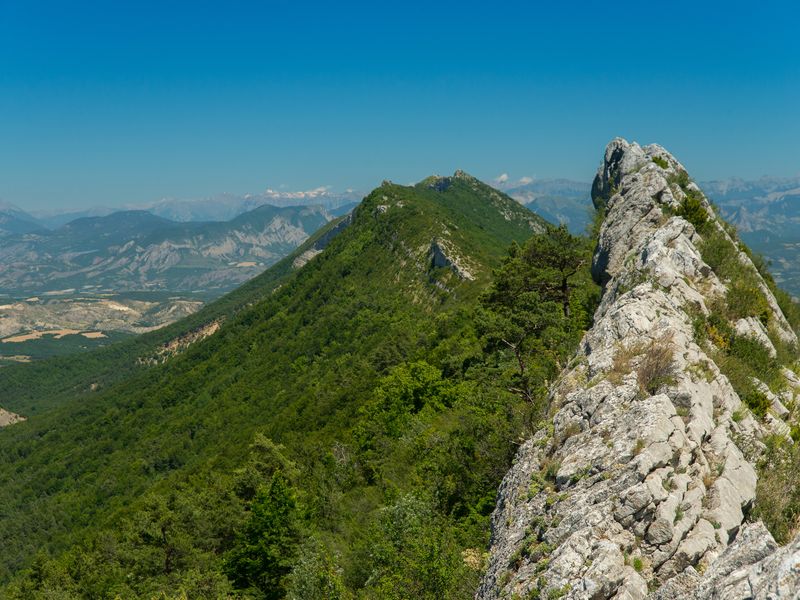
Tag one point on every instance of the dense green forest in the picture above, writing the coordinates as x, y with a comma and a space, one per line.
341, 436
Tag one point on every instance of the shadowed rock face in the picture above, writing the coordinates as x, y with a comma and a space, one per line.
642, 483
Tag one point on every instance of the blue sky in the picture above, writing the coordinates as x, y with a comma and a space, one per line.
104, 103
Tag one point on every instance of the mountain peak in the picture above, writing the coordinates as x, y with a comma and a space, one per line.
623, 158
459, 174
8, 207
452, 207
443, 182
14, 220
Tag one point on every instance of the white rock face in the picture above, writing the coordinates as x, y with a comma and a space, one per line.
753, 567
9, 418
442, 255
642, 482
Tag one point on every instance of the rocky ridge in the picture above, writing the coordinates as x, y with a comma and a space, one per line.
641, 485
179, 344
322, 241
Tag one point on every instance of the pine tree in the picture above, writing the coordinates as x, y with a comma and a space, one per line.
265, 548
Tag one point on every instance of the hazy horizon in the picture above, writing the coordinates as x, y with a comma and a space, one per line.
502, 181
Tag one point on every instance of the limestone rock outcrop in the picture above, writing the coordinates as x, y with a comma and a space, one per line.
9, 418
443, 256
644, 479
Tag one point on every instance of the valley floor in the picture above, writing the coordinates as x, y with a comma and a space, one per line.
36, 327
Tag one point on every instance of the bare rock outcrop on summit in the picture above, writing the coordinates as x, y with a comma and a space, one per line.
641, 486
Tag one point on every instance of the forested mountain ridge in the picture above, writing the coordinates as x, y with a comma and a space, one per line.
366, 401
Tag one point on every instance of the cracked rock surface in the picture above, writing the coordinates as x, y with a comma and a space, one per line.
642, 483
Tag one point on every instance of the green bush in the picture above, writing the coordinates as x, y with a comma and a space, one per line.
741, 358
777, 494
753, 353
661, 162
716, 327
681, 178
756, 402
721, 255
745, 299
693, 210
263, 554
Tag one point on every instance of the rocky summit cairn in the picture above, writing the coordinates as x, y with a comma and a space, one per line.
641, 485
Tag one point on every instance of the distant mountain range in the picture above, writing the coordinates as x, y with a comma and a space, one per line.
137, 250
765, 211
557, 200
222, 207
15, 221
85, 272
767, 214
768, 204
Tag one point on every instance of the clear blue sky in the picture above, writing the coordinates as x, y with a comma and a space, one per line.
115, 102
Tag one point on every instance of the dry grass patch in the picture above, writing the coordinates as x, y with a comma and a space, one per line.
657, 366
623, 361
653, 362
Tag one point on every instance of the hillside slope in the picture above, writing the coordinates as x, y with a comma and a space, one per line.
33, 388
93, 474
642, 486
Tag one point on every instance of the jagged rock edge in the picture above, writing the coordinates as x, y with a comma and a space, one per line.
649, 488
